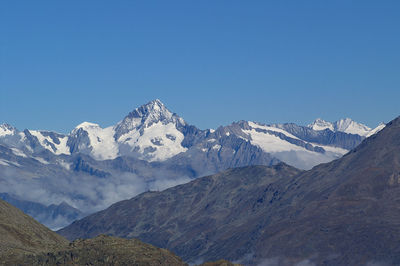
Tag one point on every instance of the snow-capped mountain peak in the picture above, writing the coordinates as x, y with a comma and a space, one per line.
91, 138
6, 129
152, 130
320, 124
153, 108
346, 125
86, 125
145, 116
153, 112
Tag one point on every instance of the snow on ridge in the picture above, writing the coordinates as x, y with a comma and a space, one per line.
64, 164
346, 125
320, 124
145, 116
290, 153
103, 143
376, 130
86, 125
18, 152
157, 142
150, 129
288, 145
270, 128
6, 129
269, 142
150, 132
101, 140
41, 160
152, 112
4, 162
47, 142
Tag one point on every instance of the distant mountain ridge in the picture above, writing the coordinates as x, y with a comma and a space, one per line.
153, 133
46, 214
151, 148
346, 125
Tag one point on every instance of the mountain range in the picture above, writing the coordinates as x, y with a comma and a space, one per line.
344, 212
58, 178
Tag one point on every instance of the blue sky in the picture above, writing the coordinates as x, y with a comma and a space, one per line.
212, 62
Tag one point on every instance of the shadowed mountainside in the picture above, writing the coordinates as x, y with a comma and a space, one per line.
199, 220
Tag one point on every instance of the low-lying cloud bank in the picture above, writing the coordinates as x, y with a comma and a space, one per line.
83, 192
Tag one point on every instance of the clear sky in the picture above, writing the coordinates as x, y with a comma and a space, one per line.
212, 62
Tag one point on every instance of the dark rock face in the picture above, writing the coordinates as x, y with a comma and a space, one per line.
79, 141
345, 212
232, 152
33, 141
81, 165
